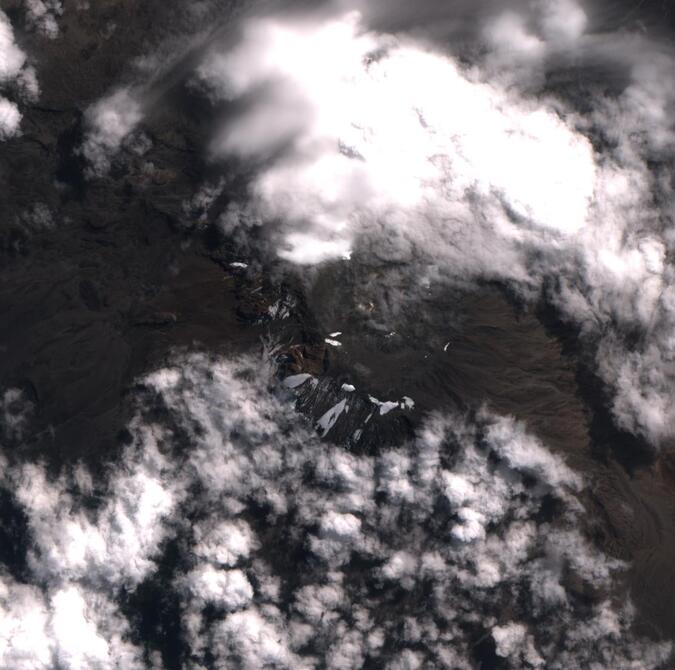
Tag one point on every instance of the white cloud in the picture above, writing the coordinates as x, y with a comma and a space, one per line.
394, 470
110, 121
38, 218
396, 139
10, 119
16, 412
562, 20
513, 642
401, 567
527, 36
320, 603
461, 537
87, 634
229, 589
197, 208
225, 543
339, 534
71, 628
42, 15
396, 149
12, 59
508, 35
471, 177
24, 616
14, 73
116, 545
348, 652
342, 505
509, 638
252, 642
525, 453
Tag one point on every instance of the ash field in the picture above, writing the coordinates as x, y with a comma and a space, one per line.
337, 335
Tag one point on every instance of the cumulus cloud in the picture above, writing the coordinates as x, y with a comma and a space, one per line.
562, 21
110, 121
13, 59
229, 589
392, 148
24, 642
16, 412
16, 74
86, 632
117, 547
513, 642
521, 39
225, 543
197, 207
42, 16
509, 36
80, 559
452, 519
295, 552
36, 219
354, 164
251, 641
67, 627
10, 119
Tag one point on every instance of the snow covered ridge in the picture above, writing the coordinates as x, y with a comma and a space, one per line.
306, 555
396, 149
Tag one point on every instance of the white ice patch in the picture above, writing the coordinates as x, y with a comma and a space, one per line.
386, 406
332, 342
330, 417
